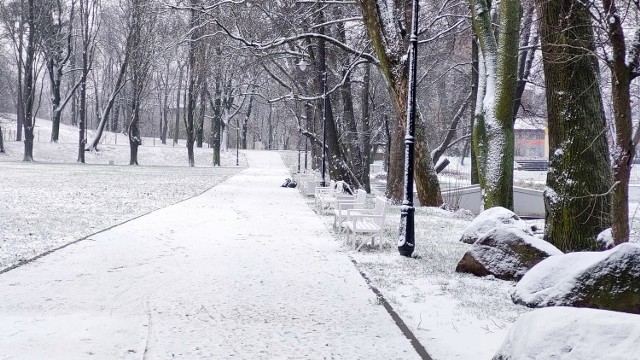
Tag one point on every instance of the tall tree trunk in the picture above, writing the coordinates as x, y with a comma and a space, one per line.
85, 39
55, 81
622, 73
191, 106
134, 136
29, 83
353, 149
493, 132
164, 121
74, 97
366, 129
176, 128
579, 179
270, 127
202, 110
387, 25
20, 102
1, 141
245, 123
216, 104
475, 179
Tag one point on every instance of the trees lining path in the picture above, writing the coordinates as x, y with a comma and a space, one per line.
245, 270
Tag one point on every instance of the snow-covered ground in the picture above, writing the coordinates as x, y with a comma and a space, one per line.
55, 200
454, 316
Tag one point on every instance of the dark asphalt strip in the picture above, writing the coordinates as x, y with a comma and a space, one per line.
394, 315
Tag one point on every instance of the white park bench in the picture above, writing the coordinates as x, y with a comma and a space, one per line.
308, 184
326, 198
369, 222
342, 205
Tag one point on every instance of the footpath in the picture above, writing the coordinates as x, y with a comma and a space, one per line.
244, 271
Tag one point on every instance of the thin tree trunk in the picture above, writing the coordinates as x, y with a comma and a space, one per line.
245, 123
201, 113
55, 81
176, 128
1, 141
366, 129
20, 102
475, 179
93, 146
621, 75
29, 83
165, 110
216, 104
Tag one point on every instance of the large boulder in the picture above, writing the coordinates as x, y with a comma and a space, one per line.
506, 253
572, 334
602, 280
491, 219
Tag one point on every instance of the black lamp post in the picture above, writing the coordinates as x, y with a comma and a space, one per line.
406, 243
324, 128
306, 149
299, 150
237, 145
303, 66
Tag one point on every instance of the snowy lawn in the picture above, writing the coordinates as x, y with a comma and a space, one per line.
48, 205
55, 200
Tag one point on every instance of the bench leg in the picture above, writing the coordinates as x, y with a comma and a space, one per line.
364, 241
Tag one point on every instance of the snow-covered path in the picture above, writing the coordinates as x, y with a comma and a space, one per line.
246, 271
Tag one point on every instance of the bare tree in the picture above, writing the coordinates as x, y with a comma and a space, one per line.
623, 60
88, 16
387, 24
142, 45
57, 28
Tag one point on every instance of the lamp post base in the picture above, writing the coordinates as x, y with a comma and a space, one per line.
407, 243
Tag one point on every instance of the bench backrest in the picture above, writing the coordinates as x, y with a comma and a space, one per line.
380, 209
361, 196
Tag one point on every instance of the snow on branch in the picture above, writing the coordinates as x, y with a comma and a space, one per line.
292, 96
282, 41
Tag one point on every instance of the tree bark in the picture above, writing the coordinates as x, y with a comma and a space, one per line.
579, 179
366, 129
1, 141
93, 146
621, 75
200, 127
475, 179
493, 127
387, 26
245, 123
29, 83
176, 128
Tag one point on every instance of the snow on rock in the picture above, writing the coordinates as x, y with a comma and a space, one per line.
490, 219
506, 253
605, 239
572, 334
602, 280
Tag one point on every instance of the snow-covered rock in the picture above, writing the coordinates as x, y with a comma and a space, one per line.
602, 280
490, 219
566, 333
506, 253
605, 239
